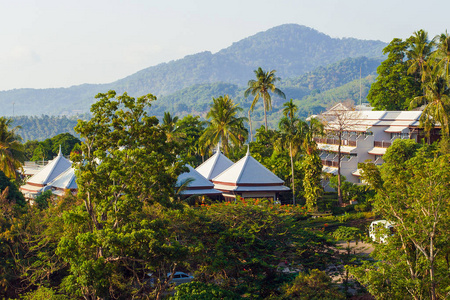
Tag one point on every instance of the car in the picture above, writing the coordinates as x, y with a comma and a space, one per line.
180, 277
379, 230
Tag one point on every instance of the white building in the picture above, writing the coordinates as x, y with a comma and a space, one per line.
366, 136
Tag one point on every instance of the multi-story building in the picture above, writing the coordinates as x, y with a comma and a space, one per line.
365, 135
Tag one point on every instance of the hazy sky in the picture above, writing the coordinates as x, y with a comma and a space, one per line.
59, 43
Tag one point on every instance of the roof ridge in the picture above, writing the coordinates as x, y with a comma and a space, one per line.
246, 157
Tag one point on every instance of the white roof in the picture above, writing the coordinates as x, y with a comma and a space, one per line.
377, 151
58, 165
247, 171
215, 165
199, 184
397, 129
267, 188
65, 180
357, 172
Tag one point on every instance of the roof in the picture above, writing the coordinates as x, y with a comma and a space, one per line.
215, 165
377, 151
65, 180
247, 171
199, 184
58, 165
397, 129
334, 148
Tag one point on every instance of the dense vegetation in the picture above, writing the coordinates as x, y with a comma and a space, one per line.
129, 229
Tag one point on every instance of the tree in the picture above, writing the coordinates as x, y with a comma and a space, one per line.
442, 55
169, 124
312, 164
261, 88
412, 191
337, 121
224, 125
290, 109
419, 50
127, 165
11, 149
291, 136
437, 102
394, 87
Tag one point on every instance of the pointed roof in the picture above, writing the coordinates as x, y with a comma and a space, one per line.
65, 180
199, 184
248, 175
58, 165
214, 165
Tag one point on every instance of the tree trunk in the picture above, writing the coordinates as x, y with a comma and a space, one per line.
250, 123
339, 170
293, 178
265, 114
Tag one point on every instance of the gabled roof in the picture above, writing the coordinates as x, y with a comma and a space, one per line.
58, 165
214, 165
248, 171
199, 184
65, 180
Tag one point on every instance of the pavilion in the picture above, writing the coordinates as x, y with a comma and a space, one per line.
248, 178
214, 165
196, 184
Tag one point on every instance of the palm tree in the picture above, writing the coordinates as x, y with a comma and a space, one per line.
169, 124
418, 53
437, 100
442, 55
291, 137
260, 88
11, 149
290, 109
224, 125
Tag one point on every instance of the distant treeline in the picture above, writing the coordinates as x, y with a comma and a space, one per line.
44, 127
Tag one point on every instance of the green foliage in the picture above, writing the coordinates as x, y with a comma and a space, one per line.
202, 291
11, 149
312, 170
313, 286
394, 88
13, 194
42, 201
412, 191
43, 293
224, 125
127, 164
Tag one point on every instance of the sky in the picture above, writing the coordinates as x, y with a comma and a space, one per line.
61, 43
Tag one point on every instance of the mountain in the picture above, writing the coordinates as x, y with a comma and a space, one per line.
292, 50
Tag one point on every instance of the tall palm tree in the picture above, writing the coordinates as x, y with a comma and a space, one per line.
437, 100
442, 55
224, 125
169, 124
291, 137
261, 88
290, 109
419, 51
11, 149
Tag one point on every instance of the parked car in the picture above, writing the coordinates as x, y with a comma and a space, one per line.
180, 277
380, 230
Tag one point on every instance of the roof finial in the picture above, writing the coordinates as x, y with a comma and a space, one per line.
248, 149
59, 153
218, 147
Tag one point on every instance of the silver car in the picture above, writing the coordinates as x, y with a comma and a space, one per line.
180, 277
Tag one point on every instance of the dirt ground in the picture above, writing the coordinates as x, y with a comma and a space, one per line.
360, 248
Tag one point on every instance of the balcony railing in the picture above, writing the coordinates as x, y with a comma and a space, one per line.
330, 163
382, 144
330, 141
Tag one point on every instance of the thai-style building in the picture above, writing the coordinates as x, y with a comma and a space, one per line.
214, 165
196, 184
248, 178
65, 181
36, 184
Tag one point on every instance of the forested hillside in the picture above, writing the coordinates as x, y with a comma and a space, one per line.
44, 127
292, 50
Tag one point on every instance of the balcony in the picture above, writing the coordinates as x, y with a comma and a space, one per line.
382, 144
330, 141
330, 163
